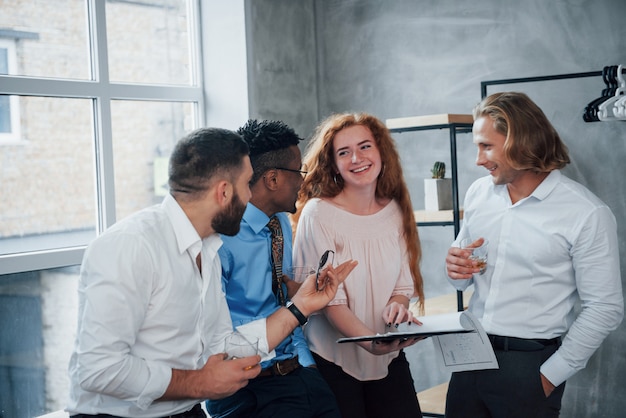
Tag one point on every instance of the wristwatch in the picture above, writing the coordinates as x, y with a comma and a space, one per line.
296, 312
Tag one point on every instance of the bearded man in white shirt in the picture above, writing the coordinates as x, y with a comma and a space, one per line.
152, 315
552, 243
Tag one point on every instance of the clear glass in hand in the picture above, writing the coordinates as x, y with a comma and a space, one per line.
479, 254
238, 345
300, 273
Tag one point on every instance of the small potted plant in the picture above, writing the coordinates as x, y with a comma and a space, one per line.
438, 189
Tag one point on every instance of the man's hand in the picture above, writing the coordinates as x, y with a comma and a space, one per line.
458, 264
309, 300
218, 378
548, 387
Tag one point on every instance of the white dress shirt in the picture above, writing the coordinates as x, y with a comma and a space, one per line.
547, 252
144, 309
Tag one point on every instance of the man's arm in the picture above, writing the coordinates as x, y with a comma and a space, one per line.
112, 299
595, 260
282, 322
217, 379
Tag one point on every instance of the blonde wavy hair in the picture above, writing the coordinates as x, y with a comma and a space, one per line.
323, 181
531, 142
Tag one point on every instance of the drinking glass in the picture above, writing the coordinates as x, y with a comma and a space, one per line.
238, 345
479, 254
300, 273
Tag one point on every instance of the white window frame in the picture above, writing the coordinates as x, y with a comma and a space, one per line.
101, 92
14, 106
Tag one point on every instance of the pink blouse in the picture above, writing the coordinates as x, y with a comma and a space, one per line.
376, 242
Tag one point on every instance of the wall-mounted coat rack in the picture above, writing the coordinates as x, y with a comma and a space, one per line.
610, 105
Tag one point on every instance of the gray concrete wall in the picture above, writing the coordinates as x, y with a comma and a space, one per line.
282, 62
404, 58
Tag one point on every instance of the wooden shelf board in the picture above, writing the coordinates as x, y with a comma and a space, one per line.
428, 120
435, 215
441, 304
433, 400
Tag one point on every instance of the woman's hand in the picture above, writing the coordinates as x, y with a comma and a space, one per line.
397, 311
384, 347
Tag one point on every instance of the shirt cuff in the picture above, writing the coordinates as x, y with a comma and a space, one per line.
160, 377
556, 369
258, 328
403, 292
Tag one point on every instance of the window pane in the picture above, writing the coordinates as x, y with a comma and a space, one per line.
148, 41
47, 178
144, 134
4, 60
38, 311
50, 37
9, 112
5, 115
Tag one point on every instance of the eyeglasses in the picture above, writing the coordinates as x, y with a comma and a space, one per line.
302, 173
322, 264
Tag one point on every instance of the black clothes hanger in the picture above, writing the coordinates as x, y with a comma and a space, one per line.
609, 76
610, 108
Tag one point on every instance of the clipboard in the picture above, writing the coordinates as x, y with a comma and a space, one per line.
459, 340
403, 336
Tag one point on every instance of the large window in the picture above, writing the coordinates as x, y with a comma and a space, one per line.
93, 96
103, 89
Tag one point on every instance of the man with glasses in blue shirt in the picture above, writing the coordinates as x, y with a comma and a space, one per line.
289, 384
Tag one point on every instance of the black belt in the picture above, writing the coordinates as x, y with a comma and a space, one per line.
281, 368
195, 412
521, 344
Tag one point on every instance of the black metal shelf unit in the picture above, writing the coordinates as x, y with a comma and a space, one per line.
454, 128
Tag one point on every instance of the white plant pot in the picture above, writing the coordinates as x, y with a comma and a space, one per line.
438, 194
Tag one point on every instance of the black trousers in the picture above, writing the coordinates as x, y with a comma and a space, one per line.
514, 390
302, 393
393, 396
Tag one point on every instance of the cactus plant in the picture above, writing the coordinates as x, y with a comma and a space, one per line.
439, 170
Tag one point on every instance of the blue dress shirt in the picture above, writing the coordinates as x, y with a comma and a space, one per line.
247, 279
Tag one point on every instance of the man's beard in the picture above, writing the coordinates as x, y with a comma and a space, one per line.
228, 221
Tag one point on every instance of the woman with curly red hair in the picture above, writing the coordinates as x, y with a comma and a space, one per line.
355, 202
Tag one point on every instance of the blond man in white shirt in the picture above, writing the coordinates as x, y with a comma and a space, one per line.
552, 243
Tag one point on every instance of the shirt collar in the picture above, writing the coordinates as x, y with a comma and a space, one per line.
547, 185
186, 235
255, 218
542, 191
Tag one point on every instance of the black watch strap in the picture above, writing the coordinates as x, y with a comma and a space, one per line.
296, 312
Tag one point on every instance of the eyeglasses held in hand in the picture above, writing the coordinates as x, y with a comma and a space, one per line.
321, 265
